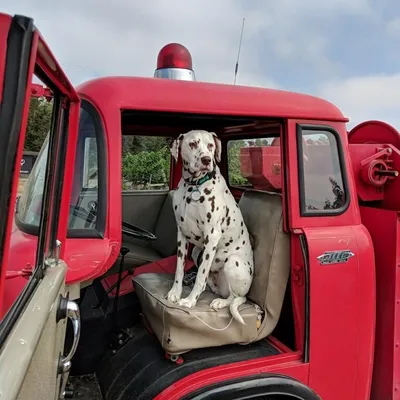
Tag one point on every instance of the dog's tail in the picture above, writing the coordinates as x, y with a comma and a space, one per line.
236, 303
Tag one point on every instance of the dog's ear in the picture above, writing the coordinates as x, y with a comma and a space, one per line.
175, 147
217, 142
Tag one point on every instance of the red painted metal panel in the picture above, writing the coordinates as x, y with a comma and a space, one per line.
384, 228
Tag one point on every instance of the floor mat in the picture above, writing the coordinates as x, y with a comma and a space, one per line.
85, 387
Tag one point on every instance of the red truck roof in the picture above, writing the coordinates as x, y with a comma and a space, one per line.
206, 98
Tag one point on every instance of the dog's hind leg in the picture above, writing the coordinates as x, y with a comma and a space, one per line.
235, 281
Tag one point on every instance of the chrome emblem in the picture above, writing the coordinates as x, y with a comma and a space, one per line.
335, 257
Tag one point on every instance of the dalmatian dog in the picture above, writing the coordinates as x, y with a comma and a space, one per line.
208, 216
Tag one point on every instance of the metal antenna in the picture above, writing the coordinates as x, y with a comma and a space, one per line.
240, 46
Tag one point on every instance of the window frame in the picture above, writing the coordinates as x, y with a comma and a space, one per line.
304, 212
50, 208
99, 231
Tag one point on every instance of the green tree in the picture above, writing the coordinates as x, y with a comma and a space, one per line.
235, 176
39, 122
147, 167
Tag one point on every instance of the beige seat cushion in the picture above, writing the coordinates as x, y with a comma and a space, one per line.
180, 329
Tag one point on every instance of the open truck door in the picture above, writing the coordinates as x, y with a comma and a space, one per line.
33, 364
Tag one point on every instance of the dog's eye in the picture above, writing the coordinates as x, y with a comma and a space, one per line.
193, 145
210, 146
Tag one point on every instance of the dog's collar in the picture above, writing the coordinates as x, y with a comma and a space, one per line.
202, 180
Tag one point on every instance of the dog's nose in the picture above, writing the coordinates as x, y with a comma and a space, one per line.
206, 160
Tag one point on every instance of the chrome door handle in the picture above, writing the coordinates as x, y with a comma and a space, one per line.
69, 309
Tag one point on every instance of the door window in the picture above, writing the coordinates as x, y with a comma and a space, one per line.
322, 184
87, 214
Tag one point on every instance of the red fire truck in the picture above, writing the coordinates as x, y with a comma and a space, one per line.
85, 265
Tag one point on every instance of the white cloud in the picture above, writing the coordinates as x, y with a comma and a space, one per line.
97, 37
366, 97
393, 27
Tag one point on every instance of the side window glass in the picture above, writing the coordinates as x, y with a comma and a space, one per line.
321, 178
31, 181
146, 162
91, 166
86, 217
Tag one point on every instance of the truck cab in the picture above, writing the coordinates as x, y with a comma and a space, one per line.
88, 250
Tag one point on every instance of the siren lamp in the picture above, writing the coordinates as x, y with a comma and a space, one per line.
174, 62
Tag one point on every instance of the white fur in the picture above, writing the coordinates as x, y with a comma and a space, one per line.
213, 223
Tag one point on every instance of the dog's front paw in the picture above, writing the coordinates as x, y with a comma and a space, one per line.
187, 302
174, 295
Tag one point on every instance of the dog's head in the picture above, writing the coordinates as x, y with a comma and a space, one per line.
200, 150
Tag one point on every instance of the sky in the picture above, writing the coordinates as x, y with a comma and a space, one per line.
345, 51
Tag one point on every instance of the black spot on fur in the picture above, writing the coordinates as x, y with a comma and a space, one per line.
227, 244
212, 230
214, 247
237, 264
217, 260
212, 200
184, 197
176, 207
228, 221
179, 243
207, 191
237, 248
226, 260
217, 208
207, 256
250, 271
186, 245
180, 255
209, 216
206, 240
182, 219
188, 200
204, 271
242, 232
223, 220
197, 237
176, 281
241, 224
226, 191
201, 199
213, 182
227, 211
190, 189
244, 242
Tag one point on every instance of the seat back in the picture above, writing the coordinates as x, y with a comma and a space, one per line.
263, 216
166, 229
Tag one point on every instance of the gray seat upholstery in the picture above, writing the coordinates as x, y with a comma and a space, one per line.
180, 329
142, 252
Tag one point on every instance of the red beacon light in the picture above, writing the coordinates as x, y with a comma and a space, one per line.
174, 62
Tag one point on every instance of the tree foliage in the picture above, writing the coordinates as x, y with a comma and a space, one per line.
39, 122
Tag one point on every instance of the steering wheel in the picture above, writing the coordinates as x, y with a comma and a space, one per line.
136, 232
